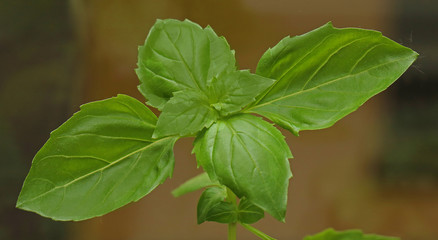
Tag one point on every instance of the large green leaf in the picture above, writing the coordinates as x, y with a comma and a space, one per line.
188, 112
180, 55
326, 74
99, 160
249, 156
331, 234
231, 91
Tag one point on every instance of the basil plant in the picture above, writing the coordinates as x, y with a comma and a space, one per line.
116, 151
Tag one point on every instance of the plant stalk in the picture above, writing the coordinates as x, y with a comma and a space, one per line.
232, 233
232, 227
257, 232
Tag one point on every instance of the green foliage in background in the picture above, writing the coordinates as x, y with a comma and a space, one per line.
116, 151
331, 234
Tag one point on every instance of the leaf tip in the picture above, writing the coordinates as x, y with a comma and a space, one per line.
282, 219
19, 204
175, 193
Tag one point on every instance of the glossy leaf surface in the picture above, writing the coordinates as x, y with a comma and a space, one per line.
231, 91
193, 184
214, 198
180, 55
326, 74
188, 112
223, 212
248, 212
331, 234
99, 160
249, 156
213, 207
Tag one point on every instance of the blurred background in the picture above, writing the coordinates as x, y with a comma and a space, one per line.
375, 170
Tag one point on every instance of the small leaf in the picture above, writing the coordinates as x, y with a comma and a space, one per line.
231, 91
193, 184
249, 156
223, 212
330, 234
188, 112
101, 159
248, 212
179, 55
326, 74
212, 207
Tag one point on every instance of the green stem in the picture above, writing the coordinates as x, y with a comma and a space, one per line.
257, 232
232, 233
232, 227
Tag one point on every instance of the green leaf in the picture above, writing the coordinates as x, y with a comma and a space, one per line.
212, 207
231, 91
326, 74
223, 212
99, 160
248, 212
249, 156
193, 184
188, 112
331, 234
180, 55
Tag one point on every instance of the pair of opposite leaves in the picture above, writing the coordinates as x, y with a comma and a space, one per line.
116, 151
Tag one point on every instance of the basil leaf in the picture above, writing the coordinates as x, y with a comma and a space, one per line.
99, 160
330, 234
223, 212
211, 198
231, 91
326, 74
212, 207
193, 184
180, 55
248, 212
188, 112
249, 156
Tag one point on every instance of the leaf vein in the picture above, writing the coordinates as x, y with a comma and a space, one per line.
182, 60
326, 83
67, 156
255, 163
104, 136
363, 56
172, 81
290, 68
328, 59
95, 171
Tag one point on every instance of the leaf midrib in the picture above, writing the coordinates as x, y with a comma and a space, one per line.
290, 68
235, 133
183, 60
323, 84
93, 172
328, 59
